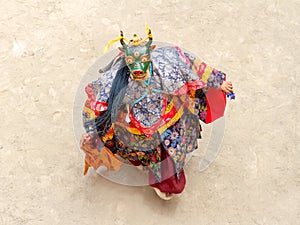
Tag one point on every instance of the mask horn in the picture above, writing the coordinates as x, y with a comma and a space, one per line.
122, 40
150, 38
149, 35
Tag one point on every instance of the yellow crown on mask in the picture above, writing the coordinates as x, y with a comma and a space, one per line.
135, 41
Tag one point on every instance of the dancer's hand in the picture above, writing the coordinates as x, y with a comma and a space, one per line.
226, 87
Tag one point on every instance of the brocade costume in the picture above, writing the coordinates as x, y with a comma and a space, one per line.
158, 117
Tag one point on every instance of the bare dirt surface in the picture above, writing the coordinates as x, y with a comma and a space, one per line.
47, 46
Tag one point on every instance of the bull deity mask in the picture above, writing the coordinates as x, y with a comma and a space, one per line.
137, 54
138, 60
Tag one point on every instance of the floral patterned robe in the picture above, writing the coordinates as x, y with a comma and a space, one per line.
161, 114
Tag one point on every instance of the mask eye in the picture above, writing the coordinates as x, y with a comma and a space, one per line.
144, 58
129, 60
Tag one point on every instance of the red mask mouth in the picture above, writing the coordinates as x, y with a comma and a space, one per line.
138, 74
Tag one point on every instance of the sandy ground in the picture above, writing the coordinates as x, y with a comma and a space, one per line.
47, 46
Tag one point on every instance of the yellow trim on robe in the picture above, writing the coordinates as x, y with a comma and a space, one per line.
171, 121
197, 63
206, 73
169, 107
90, 112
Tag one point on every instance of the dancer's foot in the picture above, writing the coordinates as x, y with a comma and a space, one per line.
163, 195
